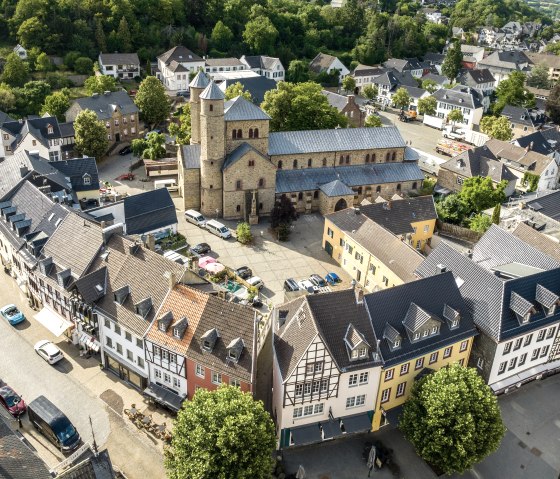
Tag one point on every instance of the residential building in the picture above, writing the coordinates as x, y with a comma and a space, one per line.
550, 61
482, 81
268, 67
436, 60
544, 142
465, 99
152, 212
124, 66
410, 65
544, 243
389, 82
547, 206
215, 66
347, 106
418, 332
440, 80
4, 117
502, 63
523, 120
512, 290
175, 66
83, 177
415, 94
325, 368
328, 63
115, 109
472, 54
256, 85
364, 75
235, 168
198, 340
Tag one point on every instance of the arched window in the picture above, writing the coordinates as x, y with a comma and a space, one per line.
316, 194
373, 158
256, 133
367, 158
309, 163
347, 159
324, 162
251, 162
234, 134
238, 208
388, 156
295, 164
394, 156
300, 196
261, 182
398, 187
341, 160
359, 190
260, 206
378, 189
250, 133
238, 185
211, 107
414, 185
279, 164
239, 133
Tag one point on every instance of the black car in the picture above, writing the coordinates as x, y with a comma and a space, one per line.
201, 248
244, 272
126, 150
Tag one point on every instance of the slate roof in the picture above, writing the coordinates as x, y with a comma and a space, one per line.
104, 105
476, 77
479, 161
537, 142
239, 153
548, 205
76, 169
508, 60
201, 80
366, 70
119, 59
179, 54
203, 313
336, 100
191, 156
257, 86
369, 174
406, 64
459, 95
391, 306
321, 62
530, 160
240, 109
523, 116
329, 317
38, 127
226, 62
4, 117
94, 467
259, 61
538, 240
336, 188
340, 139
414, 92
149, 211
435, 58
212, 92
387, 78
66, 130
88, 285
439, 79
17, 459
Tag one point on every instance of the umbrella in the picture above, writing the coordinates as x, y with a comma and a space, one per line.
202, 262
300, 473
214, 267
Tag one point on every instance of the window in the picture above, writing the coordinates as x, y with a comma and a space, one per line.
394, 156
324, 162
373, 156
540, 337
87, 180
309, 163
129, 355
300, 196
419, 363
165, 355
109, 342
414, 185
119, 348
107, 323
426, 228
251, 163
157, 373
294, 164
385, 395
544, 351
367, 158
502, 367
306, 389
318, 408
447, 352
176, 382
404, 369
238, 185
140, 362
298, 412
299, 390
128, 336
280, 164
235, 383
256, 133
507, 347
211, 108
117, 329
324, 385
425, 333
364, 378
528, 340
389, 374
216, 378
316, 194
261, 182
464, 346
388, 156
139, 343
398, 187
551, 332
522, 359
355, 401
199, 371
535, 354
316, 386
341, 160
166, 377
353, 380
401, 389
480, 363
517, 344
330, 233
433, 357
512, 363
347, 159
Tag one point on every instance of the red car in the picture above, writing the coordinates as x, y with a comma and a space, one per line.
11, 400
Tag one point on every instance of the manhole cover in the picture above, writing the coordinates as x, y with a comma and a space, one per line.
113, 400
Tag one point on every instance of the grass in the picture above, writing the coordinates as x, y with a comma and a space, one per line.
172, 242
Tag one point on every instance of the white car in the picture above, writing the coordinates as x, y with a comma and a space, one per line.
48, 351
256, 282
308, 286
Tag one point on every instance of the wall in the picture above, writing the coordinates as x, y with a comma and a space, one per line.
194, 382
327, 204
424, 230
260, 143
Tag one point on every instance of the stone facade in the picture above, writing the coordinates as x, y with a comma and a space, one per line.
450, 180
482, 356
328, 204
253, 132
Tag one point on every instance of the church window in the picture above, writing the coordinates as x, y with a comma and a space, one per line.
341, 160
324, 162
234, 134
388, 156
316, 194
261, 182
309, 163
239, 133
394, 156
359, 190
251, 162
256, 133
238, 208
238, 185
398, 187
211, 107
300, 196
373, 156
367, 158
414, 185
347, 159
250, 133
295, 164
279, 164
378, 189
260, 206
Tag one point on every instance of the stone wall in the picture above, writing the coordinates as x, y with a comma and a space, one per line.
483, 348
191, 189
327, 203
448, 179
260, 143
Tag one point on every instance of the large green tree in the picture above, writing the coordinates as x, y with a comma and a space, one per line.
7, 98
538, 78
100, 84
182, 130
237, 89
300, 106
152, 100
15, 71
56, 104
260, 35
452, 63
348, 84
553, 104
30, 98
430, 85
480, 193
511, 91
298, 71
452, 419
370, 92
90, 134
496, 127
155, 146
401, 98
373, 121
427, 105
221, 37
221, 434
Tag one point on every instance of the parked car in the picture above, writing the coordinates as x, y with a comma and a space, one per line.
291, 285
217, 228
196, 218
308, 286
184, 94
12, 314
256, 282
126, 150
11, 400
317, 280
201, 248
48, 351
333, 278
244, 272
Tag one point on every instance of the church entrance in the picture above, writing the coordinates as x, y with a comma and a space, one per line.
340, 204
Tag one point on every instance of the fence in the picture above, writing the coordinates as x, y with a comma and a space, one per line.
458, 232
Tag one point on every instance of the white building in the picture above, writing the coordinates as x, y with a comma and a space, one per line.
175, 66
20, 51
482, 81
465, 99
268, 67
328, 63
217, 66
124, 66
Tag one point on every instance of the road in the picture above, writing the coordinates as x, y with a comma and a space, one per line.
79, 388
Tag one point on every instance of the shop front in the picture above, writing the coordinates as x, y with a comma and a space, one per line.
124, 372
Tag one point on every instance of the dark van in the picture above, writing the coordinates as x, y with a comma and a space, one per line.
53, 424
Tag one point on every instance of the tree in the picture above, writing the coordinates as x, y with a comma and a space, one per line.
152, 100
455, 115
373, 121
30, 98
480, 223
221, 434
56, 104
370, 92
298, 71
430, 85
100, 84
155, 146
84, 66
452, 63
182, 131
221, 37
235, 90
90, 134
479, 193
496, 214
244, 235
260, 35
553, 104
348, 83
497, 127
100, 34
138, 145
511, 91
427, 105
283, 212
401, 98
452, 419
7, 98
124, 37
43, 63
539, 77
452, 209
300, 106
15, 71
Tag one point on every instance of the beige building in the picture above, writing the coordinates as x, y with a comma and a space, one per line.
236, 168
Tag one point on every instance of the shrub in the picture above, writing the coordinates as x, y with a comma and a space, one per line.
244, 235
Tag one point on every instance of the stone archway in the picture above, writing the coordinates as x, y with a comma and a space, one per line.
340, 205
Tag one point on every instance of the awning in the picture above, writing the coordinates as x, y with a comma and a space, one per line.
525, 376
331, 429
358, 423
165, 397
55, 323
306, 434
90, 342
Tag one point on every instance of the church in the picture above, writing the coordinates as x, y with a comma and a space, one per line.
236, 168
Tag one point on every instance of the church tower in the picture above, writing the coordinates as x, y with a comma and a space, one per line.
197, 86
212, 150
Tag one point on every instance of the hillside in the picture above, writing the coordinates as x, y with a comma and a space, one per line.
549, 7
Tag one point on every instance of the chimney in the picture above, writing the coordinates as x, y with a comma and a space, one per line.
359, 292
441, 268
151, 242
357, 210
110, 230
23, 170
171, 279
350, 100
133, 248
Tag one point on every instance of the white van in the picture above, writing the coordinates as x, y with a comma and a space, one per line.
218, 229
170, 184
196, 218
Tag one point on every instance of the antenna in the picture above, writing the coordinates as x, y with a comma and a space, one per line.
94, 445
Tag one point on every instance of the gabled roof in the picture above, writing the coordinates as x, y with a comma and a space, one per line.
407, 64
4, 117
336, 188
439, 79
201, 80
149, 211
79, 170
321, 62
257, 86
105, 104
191, 156
508, 60
336, 100
538, 240
259, 61
536, 142
241, 109
513, 156
239, 153
416, 317
459, 95
225, 62
415, 92
119, 59
366, 70
548, 205
212, 92
435, 58
476, 77
523, 116
179, 54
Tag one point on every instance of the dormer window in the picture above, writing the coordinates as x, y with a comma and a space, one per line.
50, 129
162, 327
416, 336
363, 352
177, 333
87, 179
425, 333
234, 349
396, 344
547, 299
521, 307
208, 339
434, 330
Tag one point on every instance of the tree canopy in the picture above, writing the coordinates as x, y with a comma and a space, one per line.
182, 130
90, 134
538, 78
427, 105
373, 121
219, 435
15, 71
511, 91
401, 98
497, 127
152, 100
452, 63
300, 106
237, 89
452, 419
553, 104
100, 84
56, 104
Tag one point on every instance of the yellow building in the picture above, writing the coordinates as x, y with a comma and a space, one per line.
420, 327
